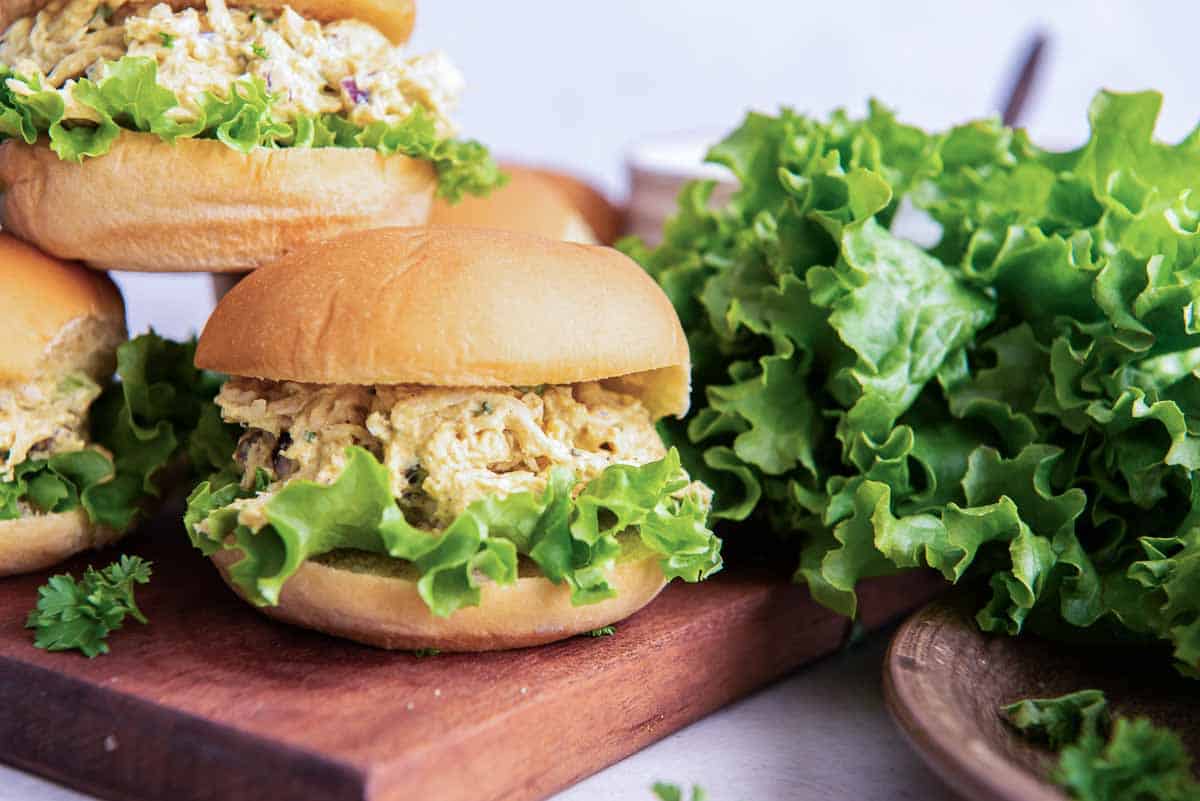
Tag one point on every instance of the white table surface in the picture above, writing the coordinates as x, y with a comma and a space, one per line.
821, 734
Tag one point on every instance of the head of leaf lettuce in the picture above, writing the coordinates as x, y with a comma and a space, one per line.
486, 474
1016, 404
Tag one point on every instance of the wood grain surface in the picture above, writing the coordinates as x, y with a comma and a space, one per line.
213, 701
945, 681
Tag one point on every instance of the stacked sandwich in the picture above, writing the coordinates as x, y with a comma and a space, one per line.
191, 137
430, 436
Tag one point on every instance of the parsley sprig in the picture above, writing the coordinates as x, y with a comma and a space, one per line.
81, 614
665, 791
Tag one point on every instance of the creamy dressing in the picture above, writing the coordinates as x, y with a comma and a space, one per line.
43, 417
444, 447
345, 67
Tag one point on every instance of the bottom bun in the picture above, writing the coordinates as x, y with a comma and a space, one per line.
40, 541
374, 600
201, 206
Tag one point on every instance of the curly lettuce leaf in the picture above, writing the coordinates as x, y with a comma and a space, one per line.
66, 481
27, 114
130, 98
1016, 404
1059, 722
1103, 759
1139, 760
160, 408
463, 166
572, 540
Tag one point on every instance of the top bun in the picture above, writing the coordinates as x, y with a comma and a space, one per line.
529, 203
606, 220
453, 307
393, 18
53, 308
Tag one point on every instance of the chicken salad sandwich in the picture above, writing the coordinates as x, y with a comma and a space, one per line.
218, 136
81, 454
448, 440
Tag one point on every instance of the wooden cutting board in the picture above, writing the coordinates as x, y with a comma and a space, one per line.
213, 701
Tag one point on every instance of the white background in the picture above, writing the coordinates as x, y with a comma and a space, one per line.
572, 83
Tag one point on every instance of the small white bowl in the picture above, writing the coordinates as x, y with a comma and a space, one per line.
659, 167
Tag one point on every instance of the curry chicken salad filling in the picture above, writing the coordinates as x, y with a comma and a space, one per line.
444, 448
44, 417
47, 413
461, 484
346, 68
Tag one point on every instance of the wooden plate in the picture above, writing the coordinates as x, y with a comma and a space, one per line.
945, 680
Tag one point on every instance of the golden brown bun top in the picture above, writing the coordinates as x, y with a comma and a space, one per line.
393, 18
529, 203
453, 307
44, 302
606, 220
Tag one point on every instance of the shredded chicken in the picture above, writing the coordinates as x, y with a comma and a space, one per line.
43, 417
47, 413
346, 67
444, 447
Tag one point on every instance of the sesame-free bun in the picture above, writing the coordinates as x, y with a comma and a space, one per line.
39, 541
200, 206
393, 18
453, 307
529, 203
606, 220
55, 316
376, 602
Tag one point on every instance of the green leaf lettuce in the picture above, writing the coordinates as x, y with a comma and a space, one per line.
1015, 403
130, 98
572, 540
1102, 759
159, 409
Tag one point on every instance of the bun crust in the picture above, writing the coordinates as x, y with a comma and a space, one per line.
528, 203
602, 217
453, 307
393, 18
40, 541
43, 298
201, 206
387, 611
